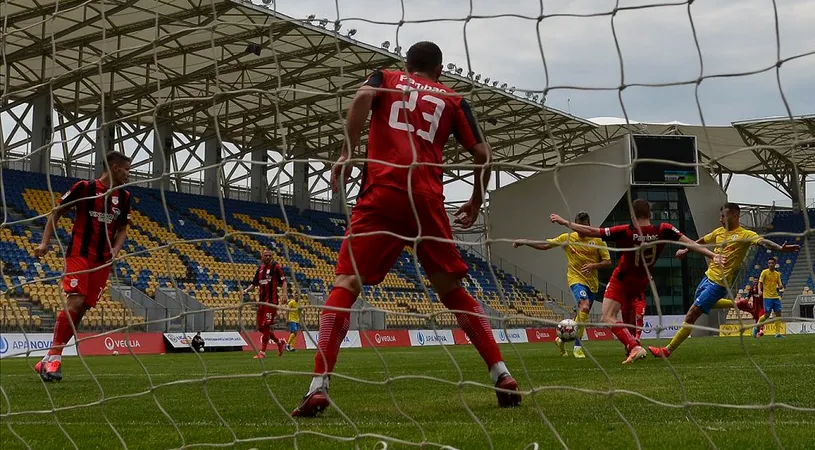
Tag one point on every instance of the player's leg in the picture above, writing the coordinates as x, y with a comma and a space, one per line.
708, 294
271, 316
445, 267
776, 313
769, 306
83, 285
616, 295
758, 316
371, 257
611, 311
746, 306
264, 326
294, 327
639, 316
628, 316
470, 317
584, 298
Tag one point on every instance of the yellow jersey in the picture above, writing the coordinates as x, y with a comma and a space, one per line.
733, 245
294, 313
578, 254
771, 280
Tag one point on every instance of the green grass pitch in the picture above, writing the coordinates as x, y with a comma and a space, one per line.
572, 398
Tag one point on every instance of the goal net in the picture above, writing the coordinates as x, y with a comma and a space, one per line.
233, 113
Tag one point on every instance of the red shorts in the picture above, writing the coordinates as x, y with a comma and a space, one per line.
635, 307
389, 209
266, 316
758, 308
627, 294
90, 284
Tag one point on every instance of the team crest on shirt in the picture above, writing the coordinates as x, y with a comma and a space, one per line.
74, 282
115, 200
583, 294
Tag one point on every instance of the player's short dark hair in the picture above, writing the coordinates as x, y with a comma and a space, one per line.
423, 56
582, 218
115, 157
772, 258
732, 207
641, 208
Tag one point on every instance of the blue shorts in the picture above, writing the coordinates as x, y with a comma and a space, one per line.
582, 292
708, 293
772, 304
294, 327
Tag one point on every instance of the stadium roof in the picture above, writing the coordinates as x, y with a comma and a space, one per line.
756, 147
261, 73
283, 83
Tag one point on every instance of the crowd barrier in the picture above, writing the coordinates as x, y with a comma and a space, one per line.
17, 344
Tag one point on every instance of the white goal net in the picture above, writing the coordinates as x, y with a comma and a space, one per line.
233, 114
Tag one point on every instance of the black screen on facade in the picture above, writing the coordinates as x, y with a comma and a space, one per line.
672, 149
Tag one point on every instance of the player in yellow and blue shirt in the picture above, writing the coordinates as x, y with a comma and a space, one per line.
584, 256
294, 323
732, 242
769, 284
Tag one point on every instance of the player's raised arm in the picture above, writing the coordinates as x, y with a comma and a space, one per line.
684, 250
76, 192
583, 230
783, 248
694, 246
533, 244
355, 122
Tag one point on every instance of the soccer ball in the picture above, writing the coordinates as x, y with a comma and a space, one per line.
567, 330
116, 353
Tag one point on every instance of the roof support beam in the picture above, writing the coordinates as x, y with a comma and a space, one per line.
782, 172
42, 48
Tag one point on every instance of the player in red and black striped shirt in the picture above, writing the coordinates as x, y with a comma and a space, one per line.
98, 234
268, 278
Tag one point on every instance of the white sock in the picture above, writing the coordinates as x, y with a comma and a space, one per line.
497, 370
318, 382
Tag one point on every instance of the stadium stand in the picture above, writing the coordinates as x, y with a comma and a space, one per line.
190, 244
783, 222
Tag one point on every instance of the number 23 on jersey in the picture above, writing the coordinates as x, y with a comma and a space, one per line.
397, 115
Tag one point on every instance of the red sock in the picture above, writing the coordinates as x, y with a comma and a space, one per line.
477, 328
333, 328
63, 331
264, 338
624, 335
640, 322
628, 317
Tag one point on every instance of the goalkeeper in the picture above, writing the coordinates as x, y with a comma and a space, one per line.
584, 256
